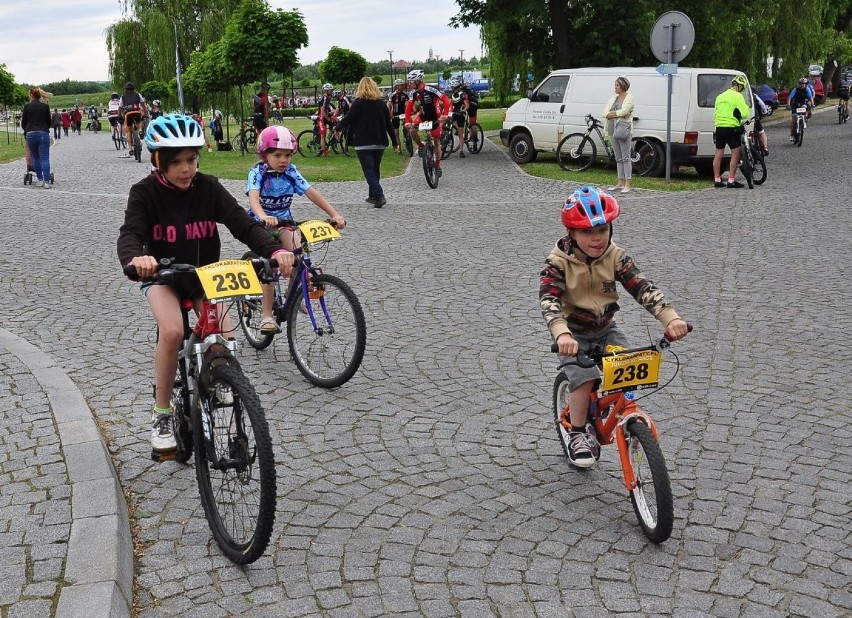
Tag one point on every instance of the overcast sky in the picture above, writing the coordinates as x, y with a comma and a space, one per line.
51, 40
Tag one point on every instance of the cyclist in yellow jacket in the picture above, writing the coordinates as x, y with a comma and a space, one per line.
730, 109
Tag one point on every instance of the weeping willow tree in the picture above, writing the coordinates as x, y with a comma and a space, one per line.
141, 46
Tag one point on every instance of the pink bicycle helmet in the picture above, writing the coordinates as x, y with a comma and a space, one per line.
588, 207
276, 137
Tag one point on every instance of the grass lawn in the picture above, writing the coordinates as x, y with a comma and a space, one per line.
11, 146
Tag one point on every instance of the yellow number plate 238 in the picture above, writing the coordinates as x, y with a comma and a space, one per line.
318, 231
229, 278
627, 372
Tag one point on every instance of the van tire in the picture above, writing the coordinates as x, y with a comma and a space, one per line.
521, 149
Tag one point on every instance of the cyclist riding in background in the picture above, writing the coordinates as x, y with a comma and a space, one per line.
343, 105
114, 109
843, 94
426, 104
156, 109
396, 104
801, 95
324, 116
133, 106
458, 99
471, 107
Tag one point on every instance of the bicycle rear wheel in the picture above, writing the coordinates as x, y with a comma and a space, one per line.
137, 146
330, 355
116, 141
758, 164
652, 498
430, 164
234, 466
448, 144
643, 156
745, 164
473, 139
576, 152
308, 146
249, 313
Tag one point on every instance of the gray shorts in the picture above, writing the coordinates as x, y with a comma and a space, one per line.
579, 375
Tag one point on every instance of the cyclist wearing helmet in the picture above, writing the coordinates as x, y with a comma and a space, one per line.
396, 105
156, 109
730, 110
843, 95
133, 106
579, 299
343, 105
173, 213
113, 109
270, 187
430, 104
325, 116
470, 107
801, 95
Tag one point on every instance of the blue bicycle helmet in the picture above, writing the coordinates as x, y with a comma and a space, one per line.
174, 131
588, 207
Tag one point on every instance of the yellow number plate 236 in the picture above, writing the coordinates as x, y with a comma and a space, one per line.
627, 372
318, 231
229, 278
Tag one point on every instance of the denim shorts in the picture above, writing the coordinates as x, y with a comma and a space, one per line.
580, 375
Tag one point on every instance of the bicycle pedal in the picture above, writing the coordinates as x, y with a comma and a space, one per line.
160, 456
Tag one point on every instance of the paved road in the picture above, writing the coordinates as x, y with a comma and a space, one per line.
433, 483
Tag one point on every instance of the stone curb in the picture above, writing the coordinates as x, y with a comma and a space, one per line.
99, 564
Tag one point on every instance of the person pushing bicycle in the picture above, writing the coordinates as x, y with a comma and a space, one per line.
173, 213
270, 187
578, 299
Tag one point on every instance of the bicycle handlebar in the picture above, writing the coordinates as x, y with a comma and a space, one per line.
168, 269
593, 355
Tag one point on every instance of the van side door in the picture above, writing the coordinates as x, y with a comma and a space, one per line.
545, 111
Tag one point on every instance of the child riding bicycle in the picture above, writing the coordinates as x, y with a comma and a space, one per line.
270, 187
173, 213
578, 299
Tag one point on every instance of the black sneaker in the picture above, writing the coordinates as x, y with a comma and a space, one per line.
735, 185
371, 200
579, 452
718, 184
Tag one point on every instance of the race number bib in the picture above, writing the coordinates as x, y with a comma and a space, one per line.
318, 231
229, 278
627, 372
425, 126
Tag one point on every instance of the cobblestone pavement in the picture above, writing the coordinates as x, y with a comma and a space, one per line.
433, 483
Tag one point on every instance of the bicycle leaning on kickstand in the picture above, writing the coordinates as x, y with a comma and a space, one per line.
217, 414
616, 418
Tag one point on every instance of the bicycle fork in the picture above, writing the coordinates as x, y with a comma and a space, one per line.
633, 415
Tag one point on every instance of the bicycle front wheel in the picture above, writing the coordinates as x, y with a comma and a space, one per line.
652, 498
474, 137
758, 164
308, 146
239, 142
249, 312
329, 353
576, 152
800, 133
234, 465
643, 156
430, 164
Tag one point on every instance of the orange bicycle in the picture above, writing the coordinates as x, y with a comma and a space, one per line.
616, 418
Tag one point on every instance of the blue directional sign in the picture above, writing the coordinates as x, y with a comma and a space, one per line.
667, 69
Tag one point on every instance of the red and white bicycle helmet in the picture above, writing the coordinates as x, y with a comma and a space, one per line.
588, 207
276, 137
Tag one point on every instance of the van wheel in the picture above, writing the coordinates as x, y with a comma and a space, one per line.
521, 149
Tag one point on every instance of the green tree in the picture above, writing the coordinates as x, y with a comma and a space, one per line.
7, 86
343, 66
155, 90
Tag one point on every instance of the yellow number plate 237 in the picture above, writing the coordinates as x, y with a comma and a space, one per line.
318, 231
229, 278
627, 372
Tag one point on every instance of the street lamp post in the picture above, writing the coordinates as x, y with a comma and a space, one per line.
461, 60
390, 53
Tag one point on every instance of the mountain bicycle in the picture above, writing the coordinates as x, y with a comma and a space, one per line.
118, 138
578, 151
616, 417
448, 138
801, 124
326, 332
217, 414
752, 163
310, 141
246, 138
430, 156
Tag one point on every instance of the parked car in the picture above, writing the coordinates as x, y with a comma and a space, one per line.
768, 95
819, 90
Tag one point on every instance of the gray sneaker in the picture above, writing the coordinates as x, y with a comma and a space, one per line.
46, 184
579, 451
162, 433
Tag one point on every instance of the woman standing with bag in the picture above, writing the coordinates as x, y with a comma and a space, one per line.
35, 121
619, 126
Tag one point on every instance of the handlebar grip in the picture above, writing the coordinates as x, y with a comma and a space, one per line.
688, 329
130, 272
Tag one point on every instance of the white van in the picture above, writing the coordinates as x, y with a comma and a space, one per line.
559, 104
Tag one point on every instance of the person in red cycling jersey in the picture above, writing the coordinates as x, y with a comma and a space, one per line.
325, 115
425, 103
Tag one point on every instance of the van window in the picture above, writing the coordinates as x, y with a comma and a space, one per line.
552, 90
711, 85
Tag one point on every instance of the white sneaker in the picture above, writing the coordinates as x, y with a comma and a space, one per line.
46, 184
162, 433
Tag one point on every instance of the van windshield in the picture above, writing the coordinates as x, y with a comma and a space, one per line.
711, 85
552, 90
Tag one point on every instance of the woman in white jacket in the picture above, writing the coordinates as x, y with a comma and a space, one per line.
619, 128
